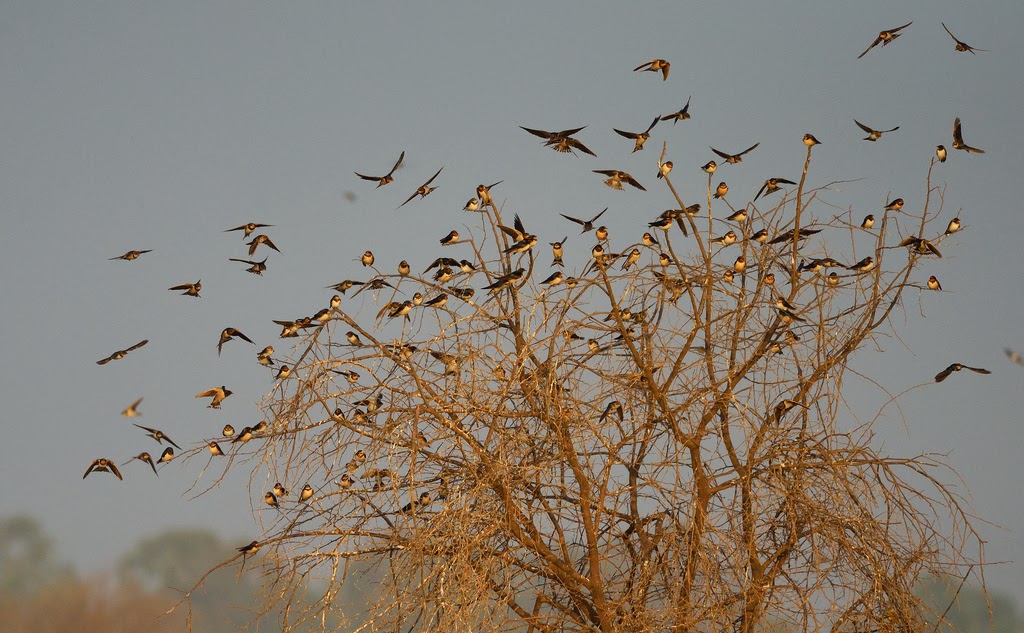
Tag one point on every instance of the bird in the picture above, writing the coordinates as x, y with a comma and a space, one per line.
920, 246
215, 449
721, 190
146, 458
738, 216
265, 356
228, 430
863, 265
218, 395
472, 205
869, 221
244, 436
933, 283
725, 240
556, 251
563, 141
681, 115
639, 138
424, 190
166, 456
271, 499
664, 169
157, 435
345, 285
504, 281
760, 237
229, 333
895, 205
588, 225
484, 193
958, 140
654, 66
810, 141
953, 226
260, 426
260, 239
1015, 357
132, 410
366, 259
387, 178
256, 268
732, 159
740, 264
790, 235
632, 258
103, 465
772, 185
616, 178
451, 238
710, 167
121, 353
784, 407
940, 153
528, 242
885, 37
249, 228
613, 407
554, 278
131, 255
283, 372
648, 240
961, 46
833, 278
462, 293
307, 493
945, 373
280, 490
873, 134
191, 290
423, 500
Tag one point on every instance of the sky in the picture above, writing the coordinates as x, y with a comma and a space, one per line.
159, 125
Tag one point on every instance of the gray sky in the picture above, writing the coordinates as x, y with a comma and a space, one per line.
157, 126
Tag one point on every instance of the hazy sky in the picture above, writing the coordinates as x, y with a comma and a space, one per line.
159, 125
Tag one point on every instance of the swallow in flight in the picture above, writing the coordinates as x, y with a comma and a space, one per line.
682, 115
958, 140
146, 458
157, 435
131, 255
218, 395
229, 333
249, 228
885, 37
121, 353
639, 138
961, 46
104, 465
771, 186
588, 225
132, 410
732, 159
873, 134
191, 290
256, 268
616, 178
260, 239
387, 178
654, 66
945, 373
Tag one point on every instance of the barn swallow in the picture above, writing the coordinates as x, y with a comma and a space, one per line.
423, 191
554, 278
682, 115
166, 456
588, 225
940, 153
451, 362
229, 333
760, 237
648, 240
863, 265
462, 293
664, 169
562, 142
810, 141
884, 37
771, 185
260, 239
789, 235
191, 290
962, 47
958, 140
260, 426
632, 258
639, 138
132, 410
271, 499
528, 242
1015, 357
353, 339
437, 302
246, 550
869, 221
784, 407
616, 178
121, 353
769, 279
732, 159
307, 493
788, 316
451, 238
388, 178
654, 66
920, 245
157, 435
367, 258
873, 134
895, 205
556, 251
739, 216
953, 226
827, 262
103, 465
664, 259
256, 268
812, 266
506, 280
249, 228
130, 255
484, 193
710, 167
725, 240
215, 449
945, 373
472, 205
219, 394
721, 190
833, 278
147, 459
933, 283
662, 223
280, 490
601, 233
345, 285
740, 264
728, 276
228, 430
244, 436
283, 372
335, 302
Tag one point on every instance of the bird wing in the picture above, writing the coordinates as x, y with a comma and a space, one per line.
978, 370
873, 44
749, 149
539, 133
722, 154
900, 28
863, 127
595, 218
571, 219
398, 162
761, 190
629, 135
645, 65
580, 146
113, 468
944, 374
633, 182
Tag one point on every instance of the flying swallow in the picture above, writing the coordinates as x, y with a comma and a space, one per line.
506, 280
451, 238
562, 142
873, 134
725, 240
940, 153
588, 225
157, 435
245, 435
810, 141
130, 255
367, 258
219, 394
249, 228
1015, 357
616, 178
771, 186
229, 333
732, 159
721, 190
639, 138
654, 66
933, 283
166, 456
121, 353
664, 169
192, 290
945, 373
132, 410
869, 221
556, 250
739, 216
484, 193
345, 285
215, 449
710, 167
648, 240
103, 465
953, 226
517, 231
958, 140
260, 239
884, 37
228, 430
863, 265
439, 262
613, 407
147, 459
424, 190
682, 115
920, 245
256, 268
790, 235
388, 178
963, 47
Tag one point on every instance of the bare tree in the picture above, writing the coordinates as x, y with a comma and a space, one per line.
660, 442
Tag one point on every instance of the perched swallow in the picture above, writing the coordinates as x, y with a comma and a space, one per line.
506, 280
721, 190
249, 228
739, 216
229, 333
616, 178
554, 278
732, 159
863, 265
740, 264
710, 167
639, 138
790, 235
945, 373
833, 278
664, 169
307, 493
601, 233
245, 435
885, 37
228, 430
132, 410
215, 449
121, 353
247, 550
451, 238
769, 279
271, 499
648, 240
963, 47
771, 185
810, 141
280, 490
166, 456
784, 407
632, 258
873, 134
588, 225
613, 407
958, 140
812, 266
104, 465
130, 255
353, 339
760, 237
661, 223
191, 290
788, 316
895, 205
256, 268
920, 245
219, 394
388, 178
1015, 357
664, 259
953, 226
563, 141
260, 426
157, 435
367, 258
654, 66
869, 221
260, 239
147, 459
528, 242
437, 302
823, 262
423, 191
682, 115
933, 283
940, 153
283, 372
725, 240
441, 262
443, 275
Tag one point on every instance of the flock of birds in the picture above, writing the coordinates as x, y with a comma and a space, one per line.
446, 268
